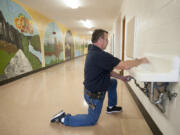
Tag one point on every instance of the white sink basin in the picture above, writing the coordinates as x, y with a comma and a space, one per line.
162, 68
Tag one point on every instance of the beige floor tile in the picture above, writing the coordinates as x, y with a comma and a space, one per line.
26, 105
135, 127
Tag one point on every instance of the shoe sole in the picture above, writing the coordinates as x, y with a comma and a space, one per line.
113, 112
57, 115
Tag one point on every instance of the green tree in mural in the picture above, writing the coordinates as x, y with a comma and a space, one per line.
35, 40
7, 51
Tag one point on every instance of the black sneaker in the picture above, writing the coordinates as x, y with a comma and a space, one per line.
57, 118
114, 109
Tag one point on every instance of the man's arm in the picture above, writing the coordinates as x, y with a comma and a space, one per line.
131, 63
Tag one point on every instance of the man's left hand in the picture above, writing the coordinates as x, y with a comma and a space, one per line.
126, 78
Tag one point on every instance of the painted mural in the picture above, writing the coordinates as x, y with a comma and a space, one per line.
82, 47
77, 47
53, 45
85, 47
20, 48
69, 45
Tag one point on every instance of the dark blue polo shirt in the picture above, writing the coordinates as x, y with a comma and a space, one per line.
98, 66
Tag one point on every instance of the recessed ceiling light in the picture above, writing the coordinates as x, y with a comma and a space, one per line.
72, 3
90, 32
87, 23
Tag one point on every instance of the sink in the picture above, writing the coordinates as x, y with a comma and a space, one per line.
162, 68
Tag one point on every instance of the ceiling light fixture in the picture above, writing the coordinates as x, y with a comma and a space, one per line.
72, 3
90, 32
87, 23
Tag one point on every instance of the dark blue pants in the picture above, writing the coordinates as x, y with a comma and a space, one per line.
93, 113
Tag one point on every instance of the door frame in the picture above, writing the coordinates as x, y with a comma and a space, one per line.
123, 42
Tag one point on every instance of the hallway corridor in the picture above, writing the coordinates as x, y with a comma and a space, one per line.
26, 105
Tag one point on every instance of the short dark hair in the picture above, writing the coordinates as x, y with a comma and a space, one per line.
97, 34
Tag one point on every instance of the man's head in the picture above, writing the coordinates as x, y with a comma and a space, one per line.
100, 38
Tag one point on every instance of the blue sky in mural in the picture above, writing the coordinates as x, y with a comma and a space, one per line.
12, 12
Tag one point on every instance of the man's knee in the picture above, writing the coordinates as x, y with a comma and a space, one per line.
93, 122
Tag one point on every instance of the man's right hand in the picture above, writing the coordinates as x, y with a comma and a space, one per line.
131, 63
144, 60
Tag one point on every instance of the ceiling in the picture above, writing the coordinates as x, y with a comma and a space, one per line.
101, 12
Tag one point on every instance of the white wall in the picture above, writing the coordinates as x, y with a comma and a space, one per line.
109, 46
117, 37
157, 24
157, 31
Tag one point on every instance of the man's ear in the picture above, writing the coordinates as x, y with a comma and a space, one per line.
100, 40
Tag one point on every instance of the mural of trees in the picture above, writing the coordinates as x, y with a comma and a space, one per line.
53, 45
69, 45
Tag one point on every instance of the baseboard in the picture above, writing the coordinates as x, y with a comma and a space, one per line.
154, 128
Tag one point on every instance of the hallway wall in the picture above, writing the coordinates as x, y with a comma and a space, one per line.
157, 31
117, 34
30, 41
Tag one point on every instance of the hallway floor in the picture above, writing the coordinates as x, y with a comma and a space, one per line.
27, 105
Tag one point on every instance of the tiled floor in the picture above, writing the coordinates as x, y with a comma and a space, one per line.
26, 105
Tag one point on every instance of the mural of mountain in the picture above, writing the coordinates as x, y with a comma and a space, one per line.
8, 33
18, 65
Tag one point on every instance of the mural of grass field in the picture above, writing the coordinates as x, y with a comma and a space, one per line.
35, 62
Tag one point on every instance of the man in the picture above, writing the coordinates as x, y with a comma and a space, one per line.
98, 69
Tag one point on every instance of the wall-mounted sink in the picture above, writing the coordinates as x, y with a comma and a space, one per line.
162, 68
